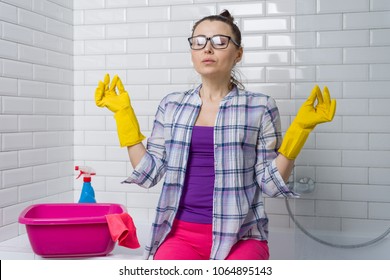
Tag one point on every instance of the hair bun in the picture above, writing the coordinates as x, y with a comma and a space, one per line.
226, 14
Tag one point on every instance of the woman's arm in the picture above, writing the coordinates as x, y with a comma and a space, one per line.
285, 166
136, 153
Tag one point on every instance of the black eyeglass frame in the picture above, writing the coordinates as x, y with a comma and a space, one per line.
211, 41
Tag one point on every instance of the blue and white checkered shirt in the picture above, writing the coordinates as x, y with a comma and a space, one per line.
247, 135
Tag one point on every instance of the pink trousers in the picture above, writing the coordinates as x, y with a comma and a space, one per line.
192, 241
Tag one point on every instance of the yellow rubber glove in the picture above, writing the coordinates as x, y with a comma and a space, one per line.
127, 125
309, 115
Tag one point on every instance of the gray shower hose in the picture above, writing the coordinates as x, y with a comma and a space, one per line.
352, 246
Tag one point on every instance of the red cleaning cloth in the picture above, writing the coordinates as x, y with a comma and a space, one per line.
122, 229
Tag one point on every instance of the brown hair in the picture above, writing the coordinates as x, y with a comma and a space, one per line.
227, 18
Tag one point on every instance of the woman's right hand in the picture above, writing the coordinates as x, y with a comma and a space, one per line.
128, 129
106, 96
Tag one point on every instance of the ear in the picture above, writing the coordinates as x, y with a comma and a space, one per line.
240, 53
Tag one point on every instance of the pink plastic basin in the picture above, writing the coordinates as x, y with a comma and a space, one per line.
69, 229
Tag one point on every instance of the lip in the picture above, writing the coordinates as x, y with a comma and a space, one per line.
208, 61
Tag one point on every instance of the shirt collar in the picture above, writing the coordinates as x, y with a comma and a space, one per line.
232, 93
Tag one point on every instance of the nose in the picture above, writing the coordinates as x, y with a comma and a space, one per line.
208, 47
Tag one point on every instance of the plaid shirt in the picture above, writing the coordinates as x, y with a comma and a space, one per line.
247, 135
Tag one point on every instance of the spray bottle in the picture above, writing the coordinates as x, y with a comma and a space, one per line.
87, 193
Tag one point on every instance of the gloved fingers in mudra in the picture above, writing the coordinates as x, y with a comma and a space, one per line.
106, 95
318, 108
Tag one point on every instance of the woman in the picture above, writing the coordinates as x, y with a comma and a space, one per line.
220, 149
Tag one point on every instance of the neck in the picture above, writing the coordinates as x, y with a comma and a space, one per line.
214, 91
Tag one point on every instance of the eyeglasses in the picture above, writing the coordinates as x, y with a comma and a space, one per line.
217, 41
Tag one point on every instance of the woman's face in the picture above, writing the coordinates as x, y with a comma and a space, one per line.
211, 62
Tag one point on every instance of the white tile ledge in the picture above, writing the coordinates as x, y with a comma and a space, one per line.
19, 248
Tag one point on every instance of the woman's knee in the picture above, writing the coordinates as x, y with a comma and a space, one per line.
249, 249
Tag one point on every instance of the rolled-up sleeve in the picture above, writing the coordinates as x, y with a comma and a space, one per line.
269, 140
152, 166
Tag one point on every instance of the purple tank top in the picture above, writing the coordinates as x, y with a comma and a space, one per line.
196, 204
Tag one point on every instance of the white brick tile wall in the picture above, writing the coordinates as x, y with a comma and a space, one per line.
36, 95
367, 55
325, 22
8, 197
345, 141
366, 158
281, 24
31, 88
379, 106
8, 123
342, 72
344, 175
171, 60
15, 177
305, 7
14, 105
184, 12
105, 46
290, 73
301, 90
266, 58
280, 7
31, 19
343, 38
8, 49
380, 176
104, 16
320, 223
128, 61
88, 4
378, 211
16, 141
372, 227
148, 14
53, 53
366, 89
167, 29
59, 154
354, 107
345, 6
319, 158
378, 5
128, 30
32, 123
379, 142
367, 20
17, 69
380, 72
8, 12
32, 157
371, 193
325, 192
372, 124
8, 86
151, 76
32, 192
148, 45
273, 41
341, 209
318, 56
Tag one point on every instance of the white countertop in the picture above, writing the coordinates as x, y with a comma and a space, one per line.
19, 248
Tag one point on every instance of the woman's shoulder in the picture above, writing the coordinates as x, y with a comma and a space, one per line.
254, 94
257, 97
178, 96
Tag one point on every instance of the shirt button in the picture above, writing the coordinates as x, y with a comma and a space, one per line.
215, 146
